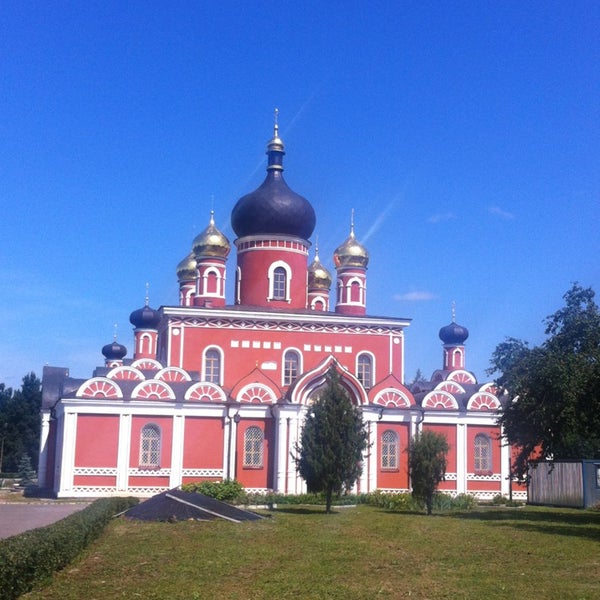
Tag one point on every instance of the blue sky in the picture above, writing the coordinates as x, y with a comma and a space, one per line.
465, 135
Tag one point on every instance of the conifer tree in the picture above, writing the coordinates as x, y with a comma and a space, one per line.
427, 465
330, 452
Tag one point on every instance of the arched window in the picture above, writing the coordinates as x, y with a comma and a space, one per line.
150, 447
389, 450
280, 275
291, 367
364, 370
355, 291
482, 452
279, 283
212, 366
211, 286
253, 448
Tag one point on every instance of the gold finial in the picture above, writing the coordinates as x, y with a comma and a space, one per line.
317, 248
147, 294
453, 311
115, 333
212, 218
352, 223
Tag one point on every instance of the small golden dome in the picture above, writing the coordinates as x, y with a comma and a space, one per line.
211, 242
351, 253
318, 276
186, 269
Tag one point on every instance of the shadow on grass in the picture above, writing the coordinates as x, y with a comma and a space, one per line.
573, 523
546, 515
303, 510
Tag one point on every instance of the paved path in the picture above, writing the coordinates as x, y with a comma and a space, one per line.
18, 517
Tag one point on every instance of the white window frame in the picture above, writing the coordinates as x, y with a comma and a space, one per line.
358, 373
253, 448
221, 365
271, 275
478, 457
150, 446
392, 458
284, 379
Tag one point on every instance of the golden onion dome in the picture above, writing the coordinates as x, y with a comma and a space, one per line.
318, 276
186, 269
211, 242
351, 253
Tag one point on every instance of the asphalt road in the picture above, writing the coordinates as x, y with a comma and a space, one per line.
18, 517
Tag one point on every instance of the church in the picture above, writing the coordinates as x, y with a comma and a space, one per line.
218, 390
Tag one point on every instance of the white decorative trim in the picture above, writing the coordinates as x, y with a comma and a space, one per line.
202, 473
484, 401
256, 390
126, 373
197, 391
153, 387
95, 471
149, 364
493, 477
147, 491
135, 472
172, 374
452, 387
99, 387
461, 376
392, 397
93, 490
439, 399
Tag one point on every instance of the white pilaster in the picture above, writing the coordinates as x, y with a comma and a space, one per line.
461, 458
43, 458
68, 454
372, 459
177, 450
123, 453
282, 426
227, 441
504, 467
296, 484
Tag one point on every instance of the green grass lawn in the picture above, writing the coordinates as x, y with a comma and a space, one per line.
362, 552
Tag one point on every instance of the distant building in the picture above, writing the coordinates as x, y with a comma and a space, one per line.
216, 390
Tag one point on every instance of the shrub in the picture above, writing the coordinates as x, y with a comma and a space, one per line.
464, 502
33, 556
229, 490
405, 502
395, 501
499, 499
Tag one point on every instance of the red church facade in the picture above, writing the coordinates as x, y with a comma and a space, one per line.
217, 391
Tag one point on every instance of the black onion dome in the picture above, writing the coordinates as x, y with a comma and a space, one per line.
453, 334
114, 351
273, 208
145, 318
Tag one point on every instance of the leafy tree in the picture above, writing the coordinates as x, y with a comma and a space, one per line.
329, 455
554, 387
20, 422
427, 465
